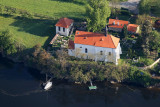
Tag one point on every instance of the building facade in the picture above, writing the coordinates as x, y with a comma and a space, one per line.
98, 47
64, 26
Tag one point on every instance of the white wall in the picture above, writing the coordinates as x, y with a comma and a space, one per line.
94, 53
71, 52
67, 30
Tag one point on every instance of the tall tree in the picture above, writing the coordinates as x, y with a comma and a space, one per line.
7, 44
146, 33
144, 6
97, 13
124, 32
114, 10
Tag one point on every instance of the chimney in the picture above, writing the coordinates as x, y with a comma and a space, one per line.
106, 31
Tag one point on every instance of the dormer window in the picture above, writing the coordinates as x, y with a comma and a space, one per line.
113, 22
101, 39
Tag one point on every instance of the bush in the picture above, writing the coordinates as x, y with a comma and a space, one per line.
140, 77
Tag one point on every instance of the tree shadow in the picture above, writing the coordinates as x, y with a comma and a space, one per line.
39, 27
70, 1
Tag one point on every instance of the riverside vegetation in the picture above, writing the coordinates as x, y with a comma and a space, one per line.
60, 64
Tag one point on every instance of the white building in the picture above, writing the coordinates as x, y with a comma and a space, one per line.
95, 46
63, 26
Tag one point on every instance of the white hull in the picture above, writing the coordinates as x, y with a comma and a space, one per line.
48, 85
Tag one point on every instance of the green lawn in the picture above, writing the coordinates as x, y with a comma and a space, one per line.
28, 32
53, 8
32, 32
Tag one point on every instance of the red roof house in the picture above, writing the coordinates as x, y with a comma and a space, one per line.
96, 39
63, 26
117, 25
133, 28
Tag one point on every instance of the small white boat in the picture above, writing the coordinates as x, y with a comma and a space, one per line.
48, 85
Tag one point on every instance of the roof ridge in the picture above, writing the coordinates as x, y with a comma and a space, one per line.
112, 40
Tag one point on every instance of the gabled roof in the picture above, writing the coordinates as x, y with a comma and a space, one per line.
117, 23
70, 44
96, 39
132, 27
64, 22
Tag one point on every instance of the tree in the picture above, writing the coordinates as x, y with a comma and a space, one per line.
97, 13
114, 10
7, 44
146, 33
155, 41
144, 6
124, 32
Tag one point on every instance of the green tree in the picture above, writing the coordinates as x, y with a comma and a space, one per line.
114, 10
146, 33
145, 6
7, 43
155, 41
124, 32
97, 13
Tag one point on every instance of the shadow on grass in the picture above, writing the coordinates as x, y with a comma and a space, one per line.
37, 27
78, 2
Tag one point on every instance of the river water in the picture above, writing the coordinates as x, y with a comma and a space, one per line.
20, 87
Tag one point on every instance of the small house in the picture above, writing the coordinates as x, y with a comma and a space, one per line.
133, 28
64, 26
117, 25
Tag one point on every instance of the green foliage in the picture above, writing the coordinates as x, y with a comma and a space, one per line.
7, 44
140, 77
97, 13
149, 6
143, 62
146, 33
155, 41
124, 32
144, 6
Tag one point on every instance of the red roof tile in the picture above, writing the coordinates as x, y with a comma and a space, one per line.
96, 39
132, 27
117, 23
64, 22
71, 44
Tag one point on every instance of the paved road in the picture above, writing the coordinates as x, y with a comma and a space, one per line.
132, 5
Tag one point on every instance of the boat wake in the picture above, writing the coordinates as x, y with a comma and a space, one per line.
22, 94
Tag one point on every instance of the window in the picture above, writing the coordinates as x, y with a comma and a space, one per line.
80, 47
59, 28
63, 29
101, 52
109, 53
86, 50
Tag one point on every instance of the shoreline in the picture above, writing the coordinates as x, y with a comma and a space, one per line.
156, 86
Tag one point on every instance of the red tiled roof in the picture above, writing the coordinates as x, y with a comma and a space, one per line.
132, 27
64, 22
117, 23
96, 39
71, 44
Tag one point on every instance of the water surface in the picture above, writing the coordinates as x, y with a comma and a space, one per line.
20, 87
